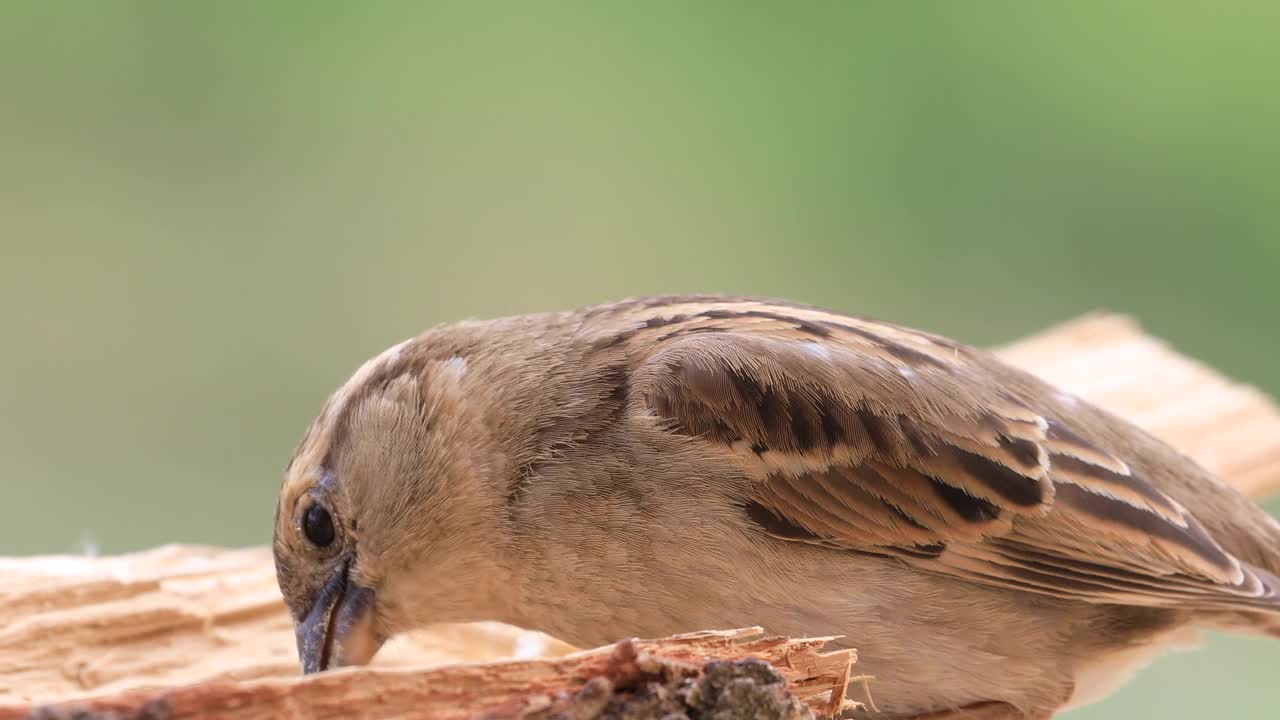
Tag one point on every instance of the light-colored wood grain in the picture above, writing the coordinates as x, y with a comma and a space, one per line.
206, 627
504, 689
178, 615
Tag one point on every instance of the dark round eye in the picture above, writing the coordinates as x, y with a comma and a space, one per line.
318, 525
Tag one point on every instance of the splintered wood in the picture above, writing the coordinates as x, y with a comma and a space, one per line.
183, 631
533, 688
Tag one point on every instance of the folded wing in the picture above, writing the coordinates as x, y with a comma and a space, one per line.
876, 439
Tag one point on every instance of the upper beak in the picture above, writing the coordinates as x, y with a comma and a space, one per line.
338, 629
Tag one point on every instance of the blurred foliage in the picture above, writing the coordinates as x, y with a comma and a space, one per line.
211, 212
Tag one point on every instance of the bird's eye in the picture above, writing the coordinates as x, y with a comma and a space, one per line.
318, 526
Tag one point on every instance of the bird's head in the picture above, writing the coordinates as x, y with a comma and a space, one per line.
388, 517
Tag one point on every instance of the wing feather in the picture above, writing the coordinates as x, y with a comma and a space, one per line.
878, 439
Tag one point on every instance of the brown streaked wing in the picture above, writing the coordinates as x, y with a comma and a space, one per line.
856, 445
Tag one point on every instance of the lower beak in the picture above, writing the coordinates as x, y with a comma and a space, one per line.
338, 629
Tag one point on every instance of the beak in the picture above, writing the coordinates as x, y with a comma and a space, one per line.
338, 629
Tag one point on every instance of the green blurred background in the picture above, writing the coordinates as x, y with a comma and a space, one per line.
212, 212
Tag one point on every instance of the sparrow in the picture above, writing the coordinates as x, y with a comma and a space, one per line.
994, 547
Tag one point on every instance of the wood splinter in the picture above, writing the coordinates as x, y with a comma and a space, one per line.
576, 685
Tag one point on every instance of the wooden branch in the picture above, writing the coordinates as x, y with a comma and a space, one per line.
530, 689
188, 631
